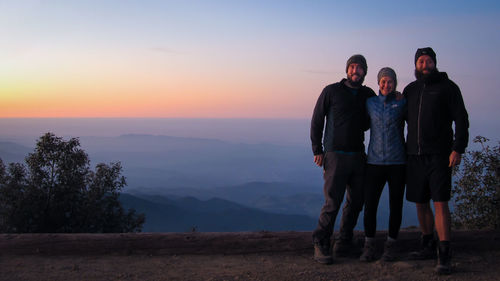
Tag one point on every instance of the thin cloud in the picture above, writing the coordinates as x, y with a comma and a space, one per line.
166, 50
317, 72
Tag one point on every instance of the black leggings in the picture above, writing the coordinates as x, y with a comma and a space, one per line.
375, 178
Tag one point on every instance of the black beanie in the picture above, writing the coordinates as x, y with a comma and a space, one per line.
359, 59
425, 51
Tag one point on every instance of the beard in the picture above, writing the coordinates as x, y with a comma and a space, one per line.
356, 83
421, 76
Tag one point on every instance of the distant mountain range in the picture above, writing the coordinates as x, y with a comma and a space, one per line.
212, 185
12, 152
151, 161
275, 198
215, 215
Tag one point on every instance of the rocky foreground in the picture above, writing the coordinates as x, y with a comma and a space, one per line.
228, 256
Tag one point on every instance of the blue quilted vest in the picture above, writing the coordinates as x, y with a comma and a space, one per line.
387, 145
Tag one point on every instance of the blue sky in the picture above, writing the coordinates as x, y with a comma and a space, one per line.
231, 59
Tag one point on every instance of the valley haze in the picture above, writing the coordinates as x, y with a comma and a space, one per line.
201, 174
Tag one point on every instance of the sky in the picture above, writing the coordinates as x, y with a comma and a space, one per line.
231, 59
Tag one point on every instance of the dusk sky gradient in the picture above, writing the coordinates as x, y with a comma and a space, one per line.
231, 59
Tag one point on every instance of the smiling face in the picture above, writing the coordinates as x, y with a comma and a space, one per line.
386, 85
425, 65
355, 74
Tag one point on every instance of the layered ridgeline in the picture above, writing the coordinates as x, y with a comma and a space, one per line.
199, 184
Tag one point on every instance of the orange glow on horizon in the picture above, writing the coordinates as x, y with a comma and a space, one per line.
152, 101
133, 93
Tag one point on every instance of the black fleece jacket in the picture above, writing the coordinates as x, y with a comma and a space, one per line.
434, 103
346, 119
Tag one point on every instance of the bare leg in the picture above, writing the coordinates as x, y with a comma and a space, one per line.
443, 220
425, 218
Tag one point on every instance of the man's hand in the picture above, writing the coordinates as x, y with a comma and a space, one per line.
318, 159
455, 159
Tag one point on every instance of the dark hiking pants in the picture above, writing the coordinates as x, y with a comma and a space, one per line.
375, 179
342, 172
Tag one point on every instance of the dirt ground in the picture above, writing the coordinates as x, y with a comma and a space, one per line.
476, 257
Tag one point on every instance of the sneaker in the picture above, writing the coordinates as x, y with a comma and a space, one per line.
368, 251
342, 248
444, 259
322, 254
427, 251
389, 251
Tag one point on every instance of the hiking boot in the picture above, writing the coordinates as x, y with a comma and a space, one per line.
368, 251
427, 251
389, 251
322, 253
444, 259
342, 248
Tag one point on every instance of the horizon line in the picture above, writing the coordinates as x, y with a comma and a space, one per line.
172, 118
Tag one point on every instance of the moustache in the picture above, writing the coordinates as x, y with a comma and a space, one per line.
356, 74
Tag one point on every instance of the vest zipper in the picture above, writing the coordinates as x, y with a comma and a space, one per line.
418, 121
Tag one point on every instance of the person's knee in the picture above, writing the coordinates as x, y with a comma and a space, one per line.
441, 204
441, 207
330, 207
423, 206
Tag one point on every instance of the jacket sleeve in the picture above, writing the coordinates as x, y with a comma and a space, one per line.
318, 122
366, 123
405, 96
461, 118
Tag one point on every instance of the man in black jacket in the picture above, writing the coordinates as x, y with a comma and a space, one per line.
434, 103
341, 153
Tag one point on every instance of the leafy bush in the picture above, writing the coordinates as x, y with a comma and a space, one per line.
476, 191
58, 192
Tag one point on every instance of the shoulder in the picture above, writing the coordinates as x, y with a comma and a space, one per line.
400, 102
367, 91
372, 103
447, 85
452, 85
373, 99
410, 88
332, 87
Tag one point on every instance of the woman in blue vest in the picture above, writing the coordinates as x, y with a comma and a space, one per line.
385, 163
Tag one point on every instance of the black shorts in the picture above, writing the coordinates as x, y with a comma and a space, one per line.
428, 177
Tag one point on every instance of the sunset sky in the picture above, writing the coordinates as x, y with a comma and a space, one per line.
230, 59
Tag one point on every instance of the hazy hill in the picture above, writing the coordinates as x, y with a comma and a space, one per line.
282, 198
159, 161
268, 177
217, 215
12, 152
176, 162
247, 193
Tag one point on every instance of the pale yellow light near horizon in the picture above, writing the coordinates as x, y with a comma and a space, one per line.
86, 83
79, 94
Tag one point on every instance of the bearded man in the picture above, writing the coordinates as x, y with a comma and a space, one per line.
340, 151
434, 104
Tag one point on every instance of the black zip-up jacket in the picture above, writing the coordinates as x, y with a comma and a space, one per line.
434, 103
346, 119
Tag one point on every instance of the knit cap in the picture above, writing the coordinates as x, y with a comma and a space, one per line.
387, 72
359, 59
425, 51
